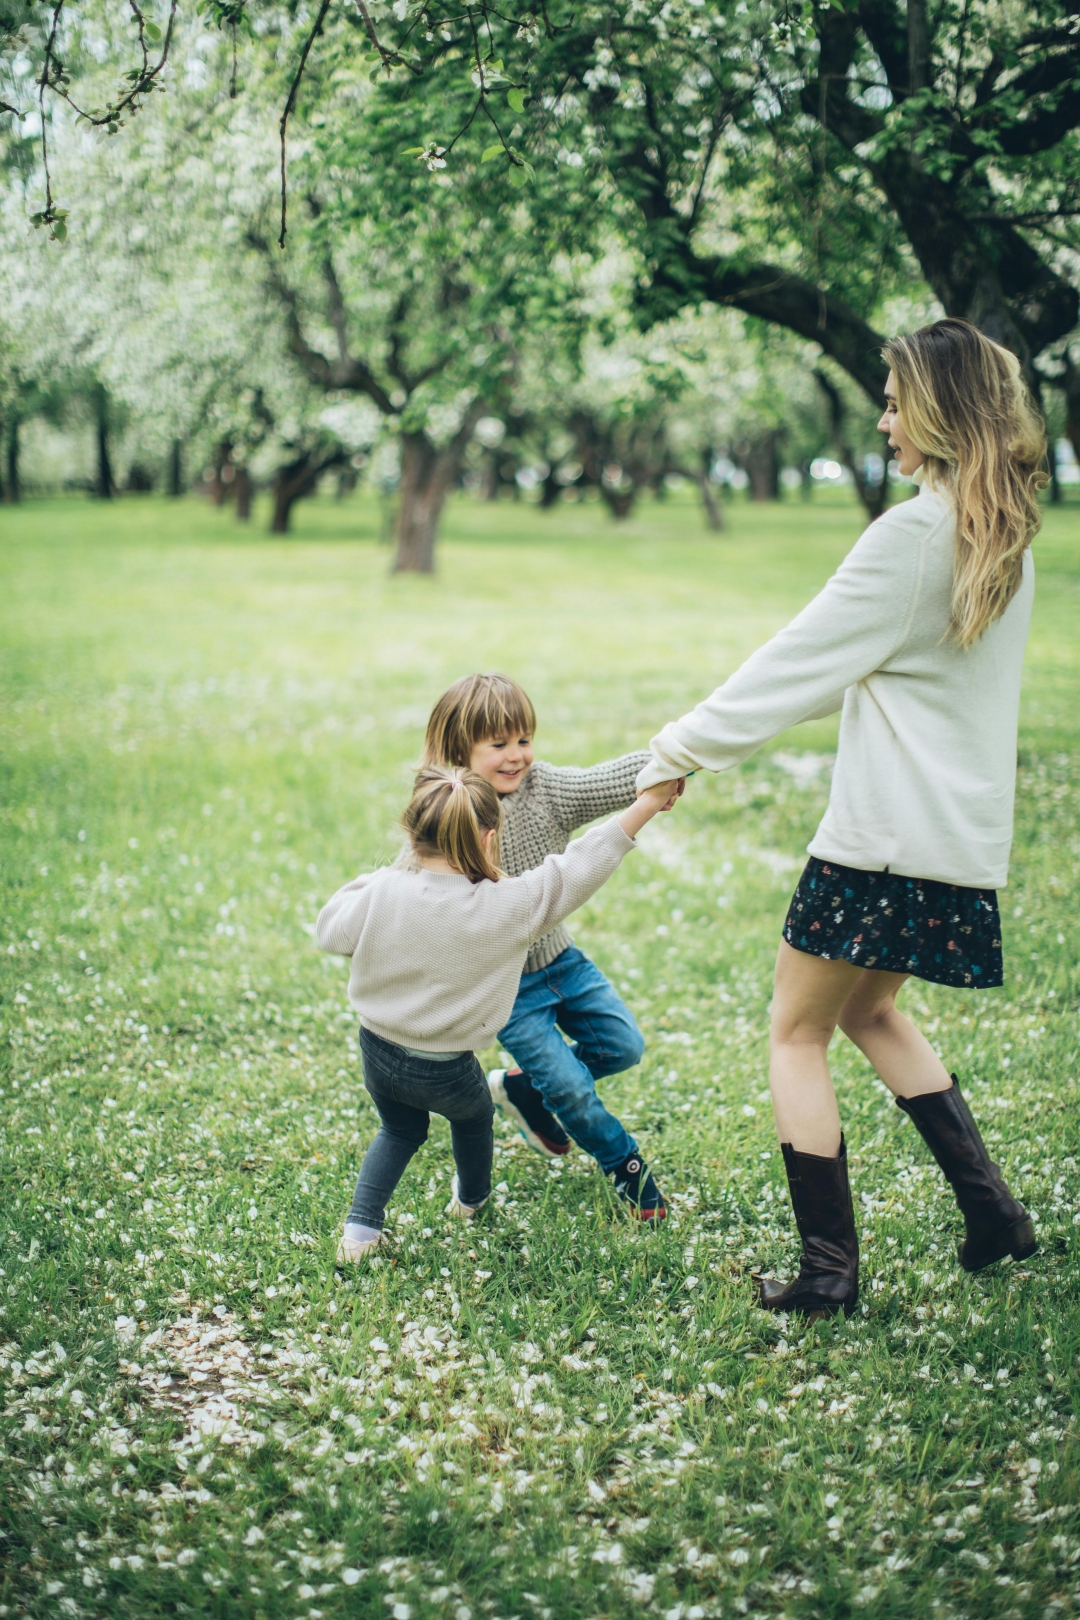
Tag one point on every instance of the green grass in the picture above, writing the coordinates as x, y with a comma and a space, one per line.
553, 1413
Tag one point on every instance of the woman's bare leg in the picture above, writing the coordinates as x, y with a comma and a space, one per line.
902, 1056
808, 996
811, 997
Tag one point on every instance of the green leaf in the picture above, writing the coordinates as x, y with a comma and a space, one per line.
492, 152
412, 151
516, 100
152, 32
518, 178
59, 230
35, 220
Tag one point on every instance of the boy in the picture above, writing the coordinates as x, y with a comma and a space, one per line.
486, 722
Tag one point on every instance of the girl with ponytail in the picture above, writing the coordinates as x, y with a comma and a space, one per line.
919, 639
437, 944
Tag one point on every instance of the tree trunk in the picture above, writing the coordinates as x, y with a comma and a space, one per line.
290, 485
715, 518
1069, 383
243, 493
712, 506
176, 468
286, 492
761, 463
619, 502
13, 486
872, 496
219, 483
489, 477
550, 490
104, 483
427, 475
299, 478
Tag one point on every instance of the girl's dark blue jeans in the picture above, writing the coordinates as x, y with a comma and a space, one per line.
407, 1090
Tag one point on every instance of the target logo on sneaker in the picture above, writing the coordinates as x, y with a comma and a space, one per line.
634, 1182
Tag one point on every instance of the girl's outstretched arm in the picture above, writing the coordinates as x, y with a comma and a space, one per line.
653, 799
561, 883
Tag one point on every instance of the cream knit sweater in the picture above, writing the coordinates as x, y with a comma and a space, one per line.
437, 959
926, 764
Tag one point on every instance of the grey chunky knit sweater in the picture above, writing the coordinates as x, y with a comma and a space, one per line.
551, 803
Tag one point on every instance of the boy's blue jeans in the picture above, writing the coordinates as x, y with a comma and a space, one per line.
572, 995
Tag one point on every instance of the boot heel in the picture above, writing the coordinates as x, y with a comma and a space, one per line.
982, 1250
1022, 1240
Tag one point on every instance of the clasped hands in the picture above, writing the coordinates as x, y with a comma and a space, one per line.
677, 785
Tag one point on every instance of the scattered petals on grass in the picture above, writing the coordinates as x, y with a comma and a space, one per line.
553, 1411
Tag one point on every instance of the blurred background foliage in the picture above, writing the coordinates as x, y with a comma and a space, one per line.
562, 252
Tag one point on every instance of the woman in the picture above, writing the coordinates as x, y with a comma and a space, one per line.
919, 637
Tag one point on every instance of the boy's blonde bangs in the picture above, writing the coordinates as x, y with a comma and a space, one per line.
473, 710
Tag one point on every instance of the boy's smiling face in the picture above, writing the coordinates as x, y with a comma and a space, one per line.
503, 760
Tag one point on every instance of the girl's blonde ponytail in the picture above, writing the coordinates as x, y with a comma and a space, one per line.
448, 815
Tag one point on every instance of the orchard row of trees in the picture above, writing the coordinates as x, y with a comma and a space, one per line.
624, 239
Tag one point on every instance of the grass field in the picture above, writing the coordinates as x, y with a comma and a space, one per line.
553, 1413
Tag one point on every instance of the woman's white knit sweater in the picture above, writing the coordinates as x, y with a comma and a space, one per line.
926, 764
436, 958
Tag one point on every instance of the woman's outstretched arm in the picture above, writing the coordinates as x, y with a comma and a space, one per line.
850, 629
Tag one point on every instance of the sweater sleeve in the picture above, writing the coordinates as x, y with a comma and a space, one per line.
563, 882
576, 794
342, 918
849, 630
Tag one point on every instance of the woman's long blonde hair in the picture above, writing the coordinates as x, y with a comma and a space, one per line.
964, 404
449, 813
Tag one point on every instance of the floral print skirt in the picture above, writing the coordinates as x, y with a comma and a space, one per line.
935, 931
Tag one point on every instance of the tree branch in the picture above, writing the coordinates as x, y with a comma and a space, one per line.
884, 28
918, 30
349, 373
1043, 129
778, 296
291, 103
336, 305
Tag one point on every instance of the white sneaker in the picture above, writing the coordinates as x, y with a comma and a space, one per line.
349, 1252
460, 1211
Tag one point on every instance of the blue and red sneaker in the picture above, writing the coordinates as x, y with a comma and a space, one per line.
634, 1182
520, 1102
